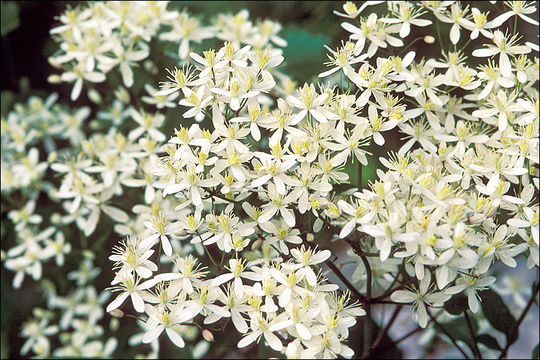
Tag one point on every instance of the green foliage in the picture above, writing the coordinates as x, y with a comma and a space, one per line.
304, 49
456, 305
498, 314
489, 341
7, 98
10, 16
459, 330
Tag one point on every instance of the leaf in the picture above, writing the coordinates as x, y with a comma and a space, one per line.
535, 354
489, 341
457, 304
497, 314
459, 330
7, 98
304, 53
10, 16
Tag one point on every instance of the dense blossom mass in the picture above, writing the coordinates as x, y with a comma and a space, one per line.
241, 206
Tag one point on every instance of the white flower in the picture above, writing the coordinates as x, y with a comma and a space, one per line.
308, 257
160, 229
129, 286
504, 46
519, 8
162, 319
77, 76
259, 326
308, 101
420, 297
407, 16
471, 283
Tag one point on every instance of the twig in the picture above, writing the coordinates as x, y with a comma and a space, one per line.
379, 338
518, 323
367, 322
347, 283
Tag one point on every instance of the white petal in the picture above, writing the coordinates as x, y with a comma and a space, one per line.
248, 339
152, 335
175, 337
117, 302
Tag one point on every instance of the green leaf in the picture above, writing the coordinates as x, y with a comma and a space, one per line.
497, 314
10, 16
457, 304
7, 98
459, 330
489, 341
304, 53
535, 354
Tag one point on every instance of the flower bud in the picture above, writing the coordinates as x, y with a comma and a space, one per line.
54, 79
428, 39
117, 313
207, 335
95, 96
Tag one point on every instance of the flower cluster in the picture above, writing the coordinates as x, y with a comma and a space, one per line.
465, 197
275, 301
117, 35
233, 215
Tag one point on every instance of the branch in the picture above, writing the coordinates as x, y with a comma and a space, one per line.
347, 283
518, 323
381, 335
367, 321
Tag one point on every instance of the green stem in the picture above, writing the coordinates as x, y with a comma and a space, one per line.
411, 44
466, 44
450, 90
359, 175
208, 252
439, 34
84, 241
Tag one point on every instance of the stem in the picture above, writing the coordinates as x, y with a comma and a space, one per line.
448, 335
515, 24
518, 323
411, 44
379, 338
208, 252
390, 290
345, 281
210, 256
439, 34
467, 43
469, 325
418, 329
84, 241
359, 175
367, 322
449, 90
